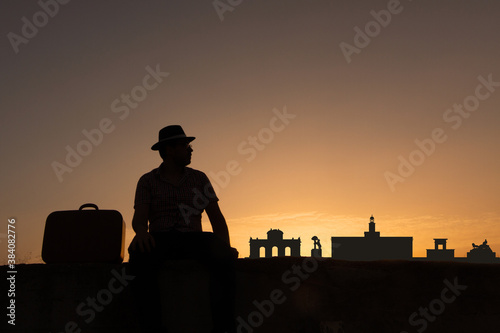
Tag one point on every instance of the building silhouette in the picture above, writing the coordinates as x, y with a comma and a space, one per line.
372, 246
481, 253
478, 254
440, 252
274, 239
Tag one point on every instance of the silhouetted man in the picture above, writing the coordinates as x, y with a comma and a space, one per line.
172, 198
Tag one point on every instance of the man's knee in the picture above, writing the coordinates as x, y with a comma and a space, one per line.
218, 249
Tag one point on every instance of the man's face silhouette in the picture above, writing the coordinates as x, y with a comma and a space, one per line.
179, 152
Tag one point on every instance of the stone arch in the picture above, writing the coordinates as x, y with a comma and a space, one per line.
275, 250
262, 252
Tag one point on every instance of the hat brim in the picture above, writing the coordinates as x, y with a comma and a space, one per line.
160, 143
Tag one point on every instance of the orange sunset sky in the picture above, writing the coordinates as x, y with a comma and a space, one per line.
324, 112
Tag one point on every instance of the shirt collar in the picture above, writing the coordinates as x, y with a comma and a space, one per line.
157, 173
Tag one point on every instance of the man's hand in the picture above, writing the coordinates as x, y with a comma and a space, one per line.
142, 242
235, 252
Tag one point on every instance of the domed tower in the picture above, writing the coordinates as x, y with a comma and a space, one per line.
275, 235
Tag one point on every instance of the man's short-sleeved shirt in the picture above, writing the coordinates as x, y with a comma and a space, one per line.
175, 207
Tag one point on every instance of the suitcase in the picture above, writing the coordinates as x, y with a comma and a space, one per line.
84, 236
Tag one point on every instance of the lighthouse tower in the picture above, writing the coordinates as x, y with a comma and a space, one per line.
371, 229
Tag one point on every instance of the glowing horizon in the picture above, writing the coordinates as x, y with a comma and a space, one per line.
297, 130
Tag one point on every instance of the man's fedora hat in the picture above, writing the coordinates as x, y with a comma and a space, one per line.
169, 133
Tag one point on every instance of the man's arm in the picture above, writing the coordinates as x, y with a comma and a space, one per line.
143, 241
218, 221
219, 225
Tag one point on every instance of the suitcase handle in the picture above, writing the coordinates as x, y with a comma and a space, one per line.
89, 205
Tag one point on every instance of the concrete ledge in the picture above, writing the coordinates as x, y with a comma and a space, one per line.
273, 295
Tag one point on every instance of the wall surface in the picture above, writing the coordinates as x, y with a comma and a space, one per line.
273, 295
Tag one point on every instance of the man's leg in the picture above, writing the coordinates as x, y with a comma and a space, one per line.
216, 256
145, 287
219, 260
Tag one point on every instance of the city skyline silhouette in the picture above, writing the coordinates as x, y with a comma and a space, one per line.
370, 247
